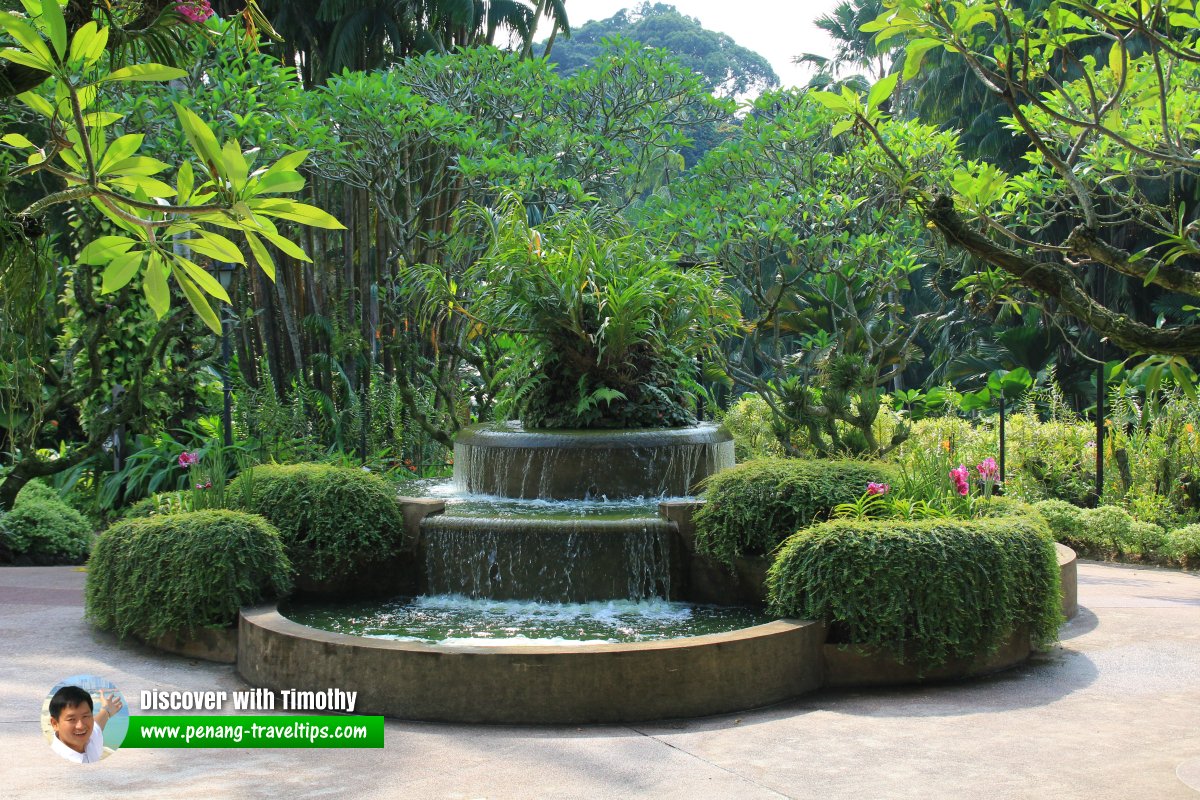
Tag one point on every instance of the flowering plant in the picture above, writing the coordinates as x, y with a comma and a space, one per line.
195, 11
960, 477
878, 488
187, 460
989, 473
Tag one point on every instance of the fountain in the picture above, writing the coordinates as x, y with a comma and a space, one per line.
550, 586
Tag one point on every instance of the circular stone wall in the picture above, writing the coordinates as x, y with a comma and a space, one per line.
687, 677
508, 461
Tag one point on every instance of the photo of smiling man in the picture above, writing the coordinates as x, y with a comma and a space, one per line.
77, 727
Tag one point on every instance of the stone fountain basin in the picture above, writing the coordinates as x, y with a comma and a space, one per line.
507, 461
634, 682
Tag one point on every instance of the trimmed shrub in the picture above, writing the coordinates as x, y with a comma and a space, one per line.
932, 590
330, 518
1183, 546
1104, 532
752, 507
184, 571
37, 490
44, 530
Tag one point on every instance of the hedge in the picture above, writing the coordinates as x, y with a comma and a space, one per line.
1183, 546
330, 518
1104, 532
43, 529
749, 509
929, 590
183, 571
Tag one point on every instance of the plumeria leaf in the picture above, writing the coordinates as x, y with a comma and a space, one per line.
102, 250
198, 301
121, 270
203, 278
145, 72
158, 294
261, 255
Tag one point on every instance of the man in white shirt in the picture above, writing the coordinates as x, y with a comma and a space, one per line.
78, 735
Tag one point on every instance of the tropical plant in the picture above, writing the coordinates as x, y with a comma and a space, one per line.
609, 332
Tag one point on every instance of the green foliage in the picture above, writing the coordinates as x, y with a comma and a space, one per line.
750, 421
1104, 532
183, 571
930, 590
728, 69
1183, 546
43, 529
613, 330
330, 518
159, 504
749, 509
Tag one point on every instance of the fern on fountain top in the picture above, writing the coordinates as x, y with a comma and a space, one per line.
608, 329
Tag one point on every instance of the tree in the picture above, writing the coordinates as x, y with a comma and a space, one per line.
856, 50
728, 69
159, 230
1111, 160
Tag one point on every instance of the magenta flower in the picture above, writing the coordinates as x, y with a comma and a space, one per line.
878, 488
187, 459
988, 470
960, 476
195, 11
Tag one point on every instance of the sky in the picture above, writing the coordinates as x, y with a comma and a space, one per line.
776, 29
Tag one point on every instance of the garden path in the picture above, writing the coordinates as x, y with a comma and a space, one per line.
1111, 712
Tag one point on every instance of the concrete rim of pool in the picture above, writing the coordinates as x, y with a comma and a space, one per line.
635, 682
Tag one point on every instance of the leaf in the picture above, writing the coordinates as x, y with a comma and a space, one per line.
25, 59
102, 250
881, 91
120, 149
286, 245
153, 187
158, 294
198, 301
184, 181
56, 26
145, 72
17, 140
203, 278
841, 127
236, 168
27, 37
283, 181
831, 101
121, 270
914, 55
1116, 61
137, 165
297, 212
261, 255
38, 103
199, 136
214, 245
84, 41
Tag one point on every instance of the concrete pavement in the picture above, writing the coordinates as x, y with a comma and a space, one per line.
1112, 712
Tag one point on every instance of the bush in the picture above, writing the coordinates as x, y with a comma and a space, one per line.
43, 529
932, 590
330, 518
1104, 532
752, 507
1183, 546
180, 572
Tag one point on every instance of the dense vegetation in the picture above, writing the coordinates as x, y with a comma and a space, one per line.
929, 590
185, 571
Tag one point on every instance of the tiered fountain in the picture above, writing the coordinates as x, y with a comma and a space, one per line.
550, 586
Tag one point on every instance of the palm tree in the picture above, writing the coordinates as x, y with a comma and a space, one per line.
855, 50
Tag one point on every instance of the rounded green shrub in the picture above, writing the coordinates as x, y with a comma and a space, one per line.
331, 519
179, 572
1065, 520
37, 490
45, 531
1183, 546
749, 509
929, 590
1147, 539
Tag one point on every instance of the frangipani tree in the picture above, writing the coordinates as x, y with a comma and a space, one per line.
162, 224
1105, 92
219, 205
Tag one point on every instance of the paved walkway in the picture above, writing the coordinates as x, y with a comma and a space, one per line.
1113, 712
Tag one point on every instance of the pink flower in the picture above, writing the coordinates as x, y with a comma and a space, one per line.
878, 488
987, 469
195, 11
187, 459
959, 475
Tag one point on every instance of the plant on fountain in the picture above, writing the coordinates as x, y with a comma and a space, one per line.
602, 328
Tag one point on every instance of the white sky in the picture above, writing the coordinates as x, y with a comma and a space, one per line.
777, 29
